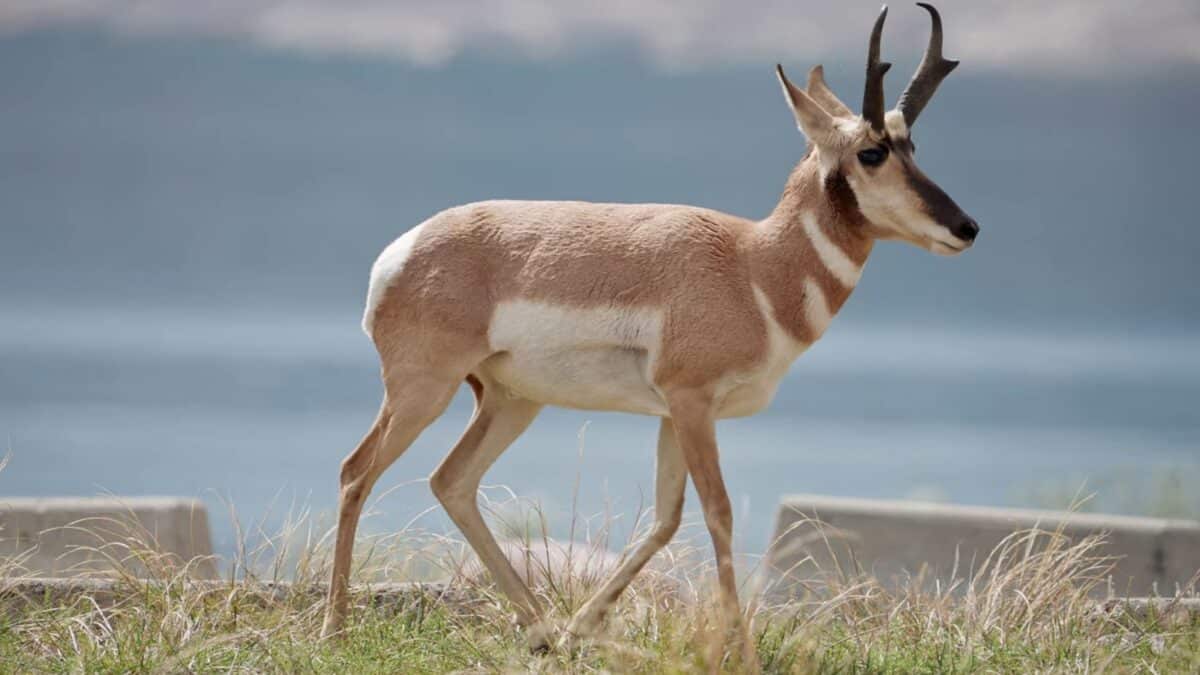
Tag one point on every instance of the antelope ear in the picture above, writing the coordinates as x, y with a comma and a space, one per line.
820, 92
814, 121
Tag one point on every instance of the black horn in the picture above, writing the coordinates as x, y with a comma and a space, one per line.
872, 108
933, 69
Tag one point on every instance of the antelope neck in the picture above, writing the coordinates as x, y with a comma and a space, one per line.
809, 253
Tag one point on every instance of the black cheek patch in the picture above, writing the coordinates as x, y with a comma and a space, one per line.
838, 189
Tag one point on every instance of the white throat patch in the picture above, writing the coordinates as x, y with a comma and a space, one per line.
832, 256
816, 308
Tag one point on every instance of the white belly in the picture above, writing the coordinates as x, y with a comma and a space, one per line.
603, 359
594, 359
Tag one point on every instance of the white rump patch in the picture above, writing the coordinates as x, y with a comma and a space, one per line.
599, 358
816, 308
387, 267
832, 256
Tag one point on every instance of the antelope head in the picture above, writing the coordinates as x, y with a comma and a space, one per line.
874, 152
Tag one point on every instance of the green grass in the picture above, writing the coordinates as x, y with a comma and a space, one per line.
165, 631
1026, 609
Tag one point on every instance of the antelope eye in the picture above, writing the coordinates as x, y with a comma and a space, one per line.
872, 156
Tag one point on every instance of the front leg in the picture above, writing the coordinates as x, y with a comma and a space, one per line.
670, 481
692, 414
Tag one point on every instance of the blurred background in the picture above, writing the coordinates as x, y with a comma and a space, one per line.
191, 196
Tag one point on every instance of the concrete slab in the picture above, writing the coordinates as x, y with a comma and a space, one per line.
80, 536
894, 540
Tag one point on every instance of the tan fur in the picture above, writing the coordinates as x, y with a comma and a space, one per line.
580, 254
699, 267
678, 311
697, 264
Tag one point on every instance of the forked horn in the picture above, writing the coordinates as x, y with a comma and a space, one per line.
872, 108
933, 69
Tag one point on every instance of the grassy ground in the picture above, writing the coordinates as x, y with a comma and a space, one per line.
1026, 609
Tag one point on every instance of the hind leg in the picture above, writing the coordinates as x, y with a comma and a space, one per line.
408, 408
497, 422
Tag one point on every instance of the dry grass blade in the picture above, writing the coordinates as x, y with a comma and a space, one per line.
1027, 607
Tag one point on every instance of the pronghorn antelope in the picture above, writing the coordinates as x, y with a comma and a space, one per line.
680, 312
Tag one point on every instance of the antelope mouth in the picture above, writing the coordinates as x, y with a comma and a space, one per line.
948, 247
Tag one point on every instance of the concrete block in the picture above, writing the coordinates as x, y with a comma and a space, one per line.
1181, 554
74, 536
895, 540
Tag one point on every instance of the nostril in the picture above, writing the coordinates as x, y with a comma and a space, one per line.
966, 230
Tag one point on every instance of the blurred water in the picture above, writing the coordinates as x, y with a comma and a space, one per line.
258, 410
144, 179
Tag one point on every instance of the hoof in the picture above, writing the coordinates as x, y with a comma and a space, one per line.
577, 634
330, 631
539, 639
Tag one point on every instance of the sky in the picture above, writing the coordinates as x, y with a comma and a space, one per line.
1066, 36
